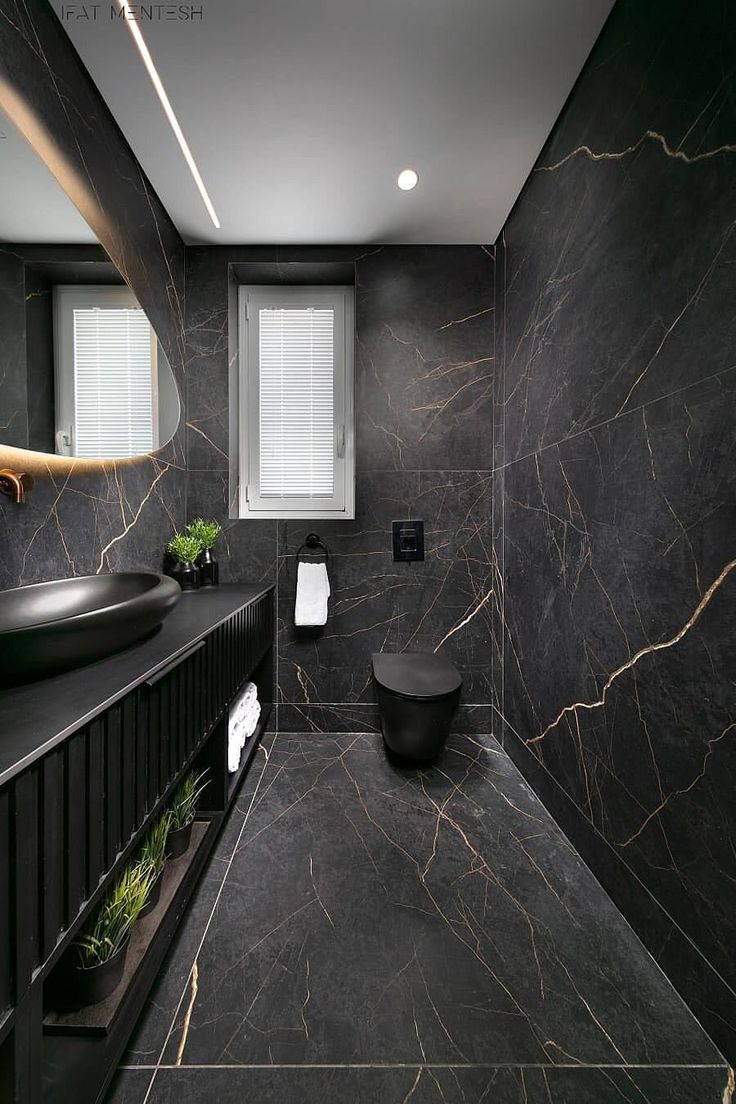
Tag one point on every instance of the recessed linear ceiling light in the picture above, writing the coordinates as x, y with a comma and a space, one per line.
408, 179
129, 19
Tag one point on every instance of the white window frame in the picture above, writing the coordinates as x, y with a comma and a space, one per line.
68, 298
252, 299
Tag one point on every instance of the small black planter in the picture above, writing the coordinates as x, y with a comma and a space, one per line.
186, 575
153, 897
177, 841
209, 569
96, 983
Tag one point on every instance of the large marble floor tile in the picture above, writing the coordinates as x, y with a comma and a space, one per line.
129, 1086
146, 1043
436, 1085
375, 914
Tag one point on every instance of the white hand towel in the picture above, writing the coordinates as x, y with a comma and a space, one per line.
312, 592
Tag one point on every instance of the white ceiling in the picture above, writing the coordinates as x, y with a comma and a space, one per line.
301, 113
33, 205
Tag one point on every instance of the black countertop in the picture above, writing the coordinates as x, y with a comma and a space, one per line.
36, 717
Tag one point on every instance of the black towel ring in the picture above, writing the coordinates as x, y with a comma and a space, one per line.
314, 547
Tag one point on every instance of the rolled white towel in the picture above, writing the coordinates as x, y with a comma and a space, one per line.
242, 723
250, 722
234, 748
245, 698
312, 592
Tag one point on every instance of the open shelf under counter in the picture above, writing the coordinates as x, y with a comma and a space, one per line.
91, 759
100, 1019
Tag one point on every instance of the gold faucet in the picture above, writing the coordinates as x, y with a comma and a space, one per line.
15, 484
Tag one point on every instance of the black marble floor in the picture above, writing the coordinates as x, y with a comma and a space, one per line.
368, 932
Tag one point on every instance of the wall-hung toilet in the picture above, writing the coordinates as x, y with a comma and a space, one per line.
418, 694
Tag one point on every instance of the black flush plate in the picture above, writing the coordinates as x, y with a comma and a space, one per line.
408, 540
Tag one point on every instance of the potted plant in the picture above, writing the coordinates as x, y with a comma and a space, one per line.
101, 949
181, 813
152, 858
184, 551
206, 532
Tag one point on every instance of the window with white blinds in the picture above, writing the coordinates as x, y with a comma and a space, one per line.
296, 402
296, 350
106, 373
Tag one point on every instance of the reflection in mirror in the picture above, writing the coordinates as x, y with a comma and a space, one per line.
81, 371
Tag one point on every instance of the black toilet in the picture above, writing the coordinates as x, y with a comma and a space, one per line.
418, 694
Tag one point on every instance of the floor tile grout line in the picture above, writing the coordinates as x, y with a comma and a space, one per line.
209, 919
440, 1066
213, 909
150, 1083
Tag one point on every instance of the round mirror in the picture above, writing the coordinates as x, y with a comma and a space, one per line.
82, 373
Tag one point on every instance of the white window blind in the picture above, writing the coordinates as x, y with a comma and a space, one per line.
296, 439
296, 398
113, 402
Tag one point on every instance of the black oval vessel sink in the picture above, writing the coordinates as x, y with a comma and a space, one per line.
47, 628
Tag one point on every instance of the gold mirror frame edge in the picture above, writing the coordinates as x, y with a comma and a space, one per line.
47, 464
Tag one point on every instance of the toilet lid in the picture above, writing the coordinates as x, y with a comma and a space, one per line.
416, 674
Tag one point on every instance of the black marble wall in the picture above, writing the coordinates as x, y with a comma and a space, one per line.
83, 518
614, 497
424, 372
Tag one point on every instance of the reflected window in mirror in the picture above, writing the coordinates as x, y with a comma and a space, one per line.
109, 391
106, 374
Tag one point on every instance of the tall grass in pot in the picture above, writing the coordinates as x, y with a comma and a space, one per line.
182, 811
98, 952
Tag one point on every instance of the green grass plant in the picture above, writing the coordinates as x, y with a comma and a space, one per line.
152, 855
184, 804
117, 914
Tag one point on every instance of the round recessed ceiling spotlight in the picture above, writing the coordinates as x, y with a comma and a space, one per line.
408, 179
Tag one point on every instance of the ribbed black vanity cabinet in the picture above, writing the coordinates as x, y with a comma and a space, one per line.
83, 796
